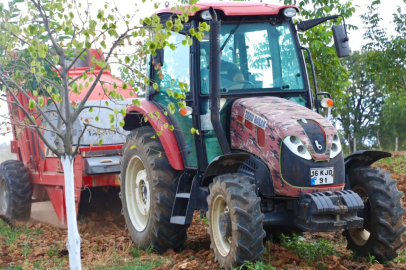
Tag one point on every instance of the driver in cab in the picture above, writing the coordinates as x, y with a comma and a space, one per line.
229, 75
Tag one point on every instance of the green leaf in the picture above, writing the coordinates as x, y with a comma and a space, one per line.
133, 146
123, 111
136, 102
41, 101
31, 104
193, 130
97, 119
171, 128
101, 142
111, 116
169, 24
159, 133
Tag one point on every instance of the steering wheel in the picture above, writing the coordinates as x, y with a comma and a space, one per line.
239, 82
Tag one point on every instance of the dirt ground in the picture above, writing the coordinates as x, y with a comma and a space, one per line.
106, 245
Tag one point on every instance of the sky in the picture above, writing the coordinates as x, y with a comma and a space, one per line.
356, 36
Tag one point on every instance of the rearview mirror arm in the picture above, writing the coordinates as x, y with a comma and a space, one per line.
306, 25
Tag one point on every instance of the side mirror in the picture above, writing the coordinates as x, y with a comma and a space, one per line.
341, 41
159, 57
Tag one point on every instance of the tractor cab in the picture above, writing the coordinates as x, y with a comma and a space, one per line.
260, 55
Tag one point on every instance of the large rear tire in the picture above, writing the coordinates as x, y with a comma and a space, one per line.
15, 191
381, 235
148, 188
235, 220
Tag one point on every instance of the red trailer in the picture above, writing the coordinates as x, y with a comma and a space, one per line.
37, 175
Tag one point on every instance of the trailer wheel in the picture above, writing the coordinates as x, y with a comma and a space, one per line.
235, 220
15, 191
148, 188
381, 235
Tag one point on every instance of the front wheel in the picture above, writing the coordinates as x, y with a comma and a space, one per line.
148, 187
235, 220
381, 235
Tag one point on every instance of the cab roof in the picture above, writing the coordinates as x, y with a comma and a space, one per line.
237, 8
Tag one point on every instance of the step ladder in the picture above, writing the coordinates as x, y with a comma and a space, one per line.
185, 200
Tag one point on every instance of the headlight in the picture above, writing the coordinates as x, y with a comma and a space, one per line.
335, 146
297, 147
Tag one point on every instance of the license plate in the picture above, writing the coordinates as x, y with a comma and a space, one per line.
321, 176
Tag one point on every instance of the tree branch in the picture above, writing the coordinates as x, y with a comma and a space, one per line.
82, 103
76, 58
31, 120
77, 78
28, 97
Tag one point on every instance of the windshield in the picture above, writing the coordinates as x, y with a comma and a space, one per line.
258, 56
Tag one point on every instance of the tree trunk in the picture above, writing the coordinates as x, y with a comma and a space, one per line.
74, 240
397, 144
349, 144
355, 144
379, 141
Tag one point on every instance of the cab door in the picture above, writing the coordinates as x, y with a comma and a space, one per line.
173, 79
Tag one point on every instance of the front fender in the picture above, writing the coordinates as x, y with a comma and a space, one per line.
363, 158
228, 163
135, 118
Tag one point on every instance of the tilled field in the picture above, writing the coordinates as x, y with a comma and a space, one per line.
106, 245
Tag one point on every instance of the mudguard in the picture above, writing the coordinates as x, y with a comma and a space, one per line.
229, 163
134, 119
363, 158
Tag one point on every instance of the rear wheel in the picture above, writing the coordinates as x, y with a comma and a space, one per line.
235, 220
15, 191
148, 187
381, 235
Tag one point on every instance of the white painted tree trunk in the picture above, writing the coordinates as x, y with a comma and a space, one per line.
74, 240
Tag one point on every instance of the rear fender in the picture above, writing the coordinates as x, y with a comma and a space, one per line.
135, 119
363, 158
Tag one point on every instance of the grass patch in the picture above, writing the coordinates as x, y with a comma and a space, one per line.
255, 266
401, 257
396, 163
10, 235
204, 219
138, 265
313, 251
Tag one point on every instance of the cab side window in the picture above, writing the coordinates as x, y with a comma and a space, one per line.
174, 72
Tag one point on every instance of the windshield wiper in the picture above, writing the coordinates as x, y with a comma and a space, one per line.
231, 34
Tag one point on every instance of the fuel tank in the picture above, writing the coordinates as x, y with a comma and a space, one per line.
275, 129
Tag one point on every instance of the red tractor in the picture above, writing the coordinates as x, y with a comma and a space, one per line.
263, 159
37, 175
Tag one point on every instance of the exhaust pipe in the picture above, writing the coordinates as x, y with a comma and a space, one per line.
214, 72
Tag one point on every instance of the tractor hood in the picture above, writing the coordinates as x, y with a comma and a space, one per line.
260, 126
280, 118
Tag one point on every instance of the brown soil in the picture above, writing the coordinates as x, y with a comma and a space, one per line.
104, 239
